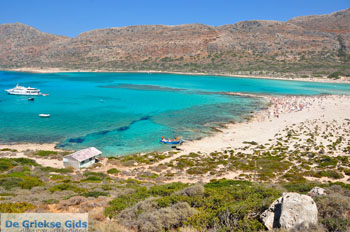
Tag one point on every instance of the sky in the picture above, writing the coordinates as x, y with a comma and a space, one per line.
72, 17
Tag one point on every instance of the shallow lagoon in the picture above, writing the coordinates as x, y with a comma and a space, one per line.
124, 113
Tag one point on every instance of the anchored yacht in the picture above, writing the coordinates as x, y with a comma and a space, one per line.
21, 90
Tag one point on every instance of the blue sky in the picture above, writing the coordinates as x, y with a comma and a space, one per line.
72, 17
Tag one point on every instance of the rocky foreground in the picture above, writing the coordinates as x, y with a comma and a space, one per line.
294, 176
308, 46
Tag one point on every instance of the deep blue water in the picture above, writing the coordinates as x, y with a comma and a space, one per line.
124, 113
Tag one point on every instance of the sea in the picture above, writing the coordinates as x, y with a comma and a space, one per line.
127, 113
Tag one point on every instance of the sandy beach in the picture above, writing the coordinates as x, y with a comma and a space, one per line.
266, 124
324, 79
30, 146
329, 114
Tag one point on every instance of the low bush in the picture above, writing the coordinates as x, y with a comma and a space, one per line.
45, 153
8, 149
24, 182
95, 194
58, 170
97, 174
26, 161
66, 186
113, 171
299, 187
6, 164
222, 205
92, 179
333, 210
17, 207
331, 174
335, 75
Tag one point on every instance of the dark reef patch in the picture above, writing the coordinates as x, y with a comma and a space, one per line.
141, 87
76, 140
102, 133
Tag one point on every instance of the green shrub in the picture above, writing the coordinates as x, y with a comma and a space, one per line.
92, 179
17, 207
327, 161
224, 205
331, 174
95, 194
8, 149
65, 186
10, 182
347, 172
113, 171
24, 182
51, 201
57, 177
333, 210
299, 187
167, 189
126, 201
26, 161
97, 174
29, 182
141, 193
45, 153
335, 75
58, 170
6, 164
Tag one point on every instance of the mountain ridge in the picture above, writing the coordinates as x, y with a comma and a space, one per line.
304, 45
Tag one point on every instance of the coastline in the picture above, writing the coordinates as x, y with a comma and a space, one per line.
343, 80
264, 125
261, 122
30, 146
260, 128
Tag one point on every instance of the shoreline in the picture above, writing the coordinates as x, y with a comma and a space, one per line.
20, 146
264, 119
268, 122
343, 80
284, 113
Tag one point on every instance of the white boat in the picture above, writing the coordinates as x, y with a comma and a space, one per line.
44, 115
21, 90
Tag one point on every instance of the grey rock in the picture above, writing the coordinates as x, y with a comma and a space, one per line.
317, 191
289, 211
270, 217
297, 210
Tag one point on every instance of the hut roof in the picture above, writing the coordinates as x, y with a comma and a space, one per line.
85, 154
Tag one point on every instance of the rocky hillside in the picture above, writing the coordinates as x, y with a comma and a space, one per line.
307, 45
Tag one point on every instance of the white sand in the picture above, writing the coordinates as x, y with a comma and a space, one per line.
44, 162
261, 128
30, 146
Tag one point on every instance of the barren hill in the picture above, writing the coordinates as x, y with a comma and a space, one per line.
307, 45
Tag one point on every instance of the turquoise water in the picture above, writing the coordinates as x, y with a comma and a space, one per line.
124, 113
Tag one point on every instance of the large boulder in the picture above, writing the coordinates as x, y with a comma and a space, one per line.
289, 211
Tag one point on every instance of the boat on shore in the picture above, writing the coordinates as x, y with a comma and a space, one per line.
21, 90
176, 141
44, 115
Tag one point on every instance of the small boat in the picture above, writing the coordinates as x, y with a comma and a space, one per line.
30, 99
44, 94
44, 115
177, 140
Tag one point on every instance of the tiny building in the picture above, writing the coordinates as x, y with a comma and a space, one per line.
82, 159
